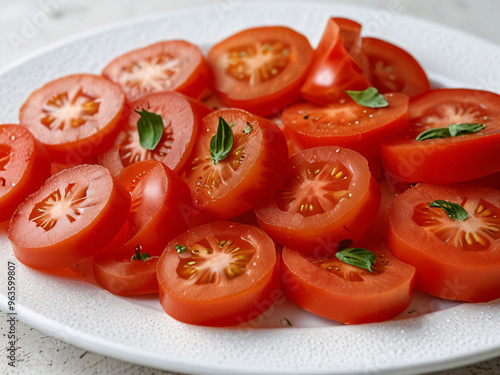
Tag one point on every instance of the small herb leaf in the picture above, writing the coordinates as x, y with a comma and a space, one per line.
433, 134
355, 256
248, 129
221, 142
453, 210
150, 128
180, 249
464, 129
140, 256
286, 323
368, 98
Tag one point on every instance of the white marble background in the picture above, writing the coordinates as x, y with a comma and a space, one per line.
53, 20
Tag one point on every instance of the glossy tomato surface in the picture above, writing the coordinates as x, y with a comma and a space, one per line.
219, 274
71, 217
455, 259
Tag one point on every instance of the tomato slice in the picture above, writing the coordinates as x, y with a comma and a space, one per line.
181, 118
260, 69
347, 124
333, 70
220, 274
253, 167
444, 160
71, 217
119, 274
75, 117
392, 69
160, 205
328, 196
24, 167
339, 291
173, 65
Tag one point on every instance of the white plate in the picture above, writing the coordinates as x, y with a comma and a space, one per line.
431, 335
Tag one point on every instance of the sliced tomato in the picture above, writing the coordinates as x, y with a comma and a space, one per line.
74, 215
260, 69
24, 167
392, 69
328, 196
219, 274
119, 274
75, 117
350, 33
339, 291
160, 207
333, 70
455, 259
253, 167
347, 124
173, 65
181, 118
444, 160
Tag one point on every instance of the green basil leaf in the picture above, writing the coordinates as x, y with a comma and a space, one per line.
464, 129
433, 134
221, 142
453, 210
355, 256
368, 98
150, 128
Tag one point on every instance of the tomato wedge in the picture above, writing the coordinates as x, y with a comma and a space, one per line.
254, 166
339, 291
455, 259
181, 118
24, 167
74, 215
328, 196
219, 274
173, 65
392, 69
75, 117
260, 69
333, 70
445, 160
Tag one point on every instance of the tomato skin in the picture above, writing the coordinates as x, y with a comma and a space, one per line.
24, 167
320, 233
446, 160
444, 270
264, 95
95, 132
374, 298
116, 273
85, 236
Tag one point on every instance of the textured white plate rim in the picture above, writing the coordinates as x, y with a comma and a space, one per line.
124, 352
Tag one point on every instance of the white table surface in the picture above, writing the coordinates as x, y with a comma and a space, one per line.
42, 354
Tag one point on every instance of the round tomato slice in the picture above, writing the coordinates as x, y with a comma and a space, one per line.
75, 117
123, 274
445, 160
392, 69
218, 274
339, 291
24, 167
254, 166
260, 69
74, 215
333, 70
181, 118
161, 203
328, 196
173, 65
455, 259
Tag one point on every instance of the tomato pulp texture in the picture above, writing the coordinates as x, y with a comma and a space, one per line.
455, 259
74, 215
219, 274
446, 160
328, 196
24, 167
254, 166
173, 65
75, 117
262, 69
